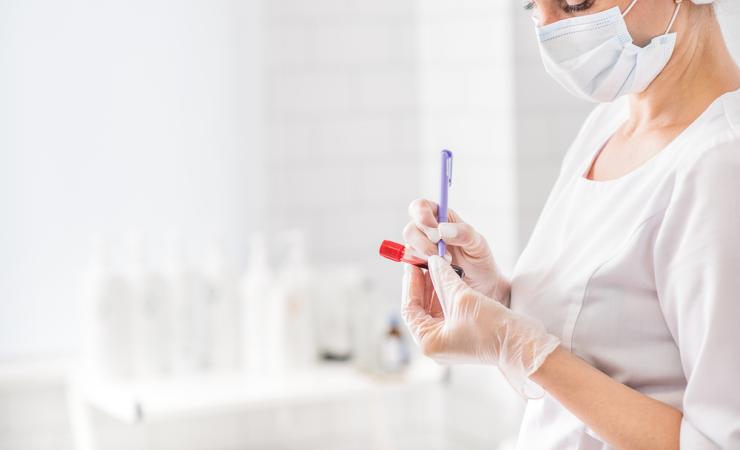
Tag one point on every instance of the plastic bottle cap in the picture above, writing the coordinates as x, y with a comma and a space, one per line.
392, 250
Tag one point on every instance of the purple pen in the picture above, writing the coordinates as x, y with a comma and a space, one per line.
444, 185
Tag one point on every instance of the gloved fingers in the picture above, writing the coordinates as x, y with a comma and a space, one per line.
419, 313
431, 300
415, 298
418, 291
447, 284
423, 213
418, 244
418, 240
412, 287
454, 232
466, 237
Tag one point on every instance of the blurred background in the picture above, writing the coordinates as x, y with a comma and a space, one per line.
192, 195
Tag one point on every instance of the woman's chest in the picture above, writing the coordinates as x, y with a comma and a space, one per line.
587, 271
626, 151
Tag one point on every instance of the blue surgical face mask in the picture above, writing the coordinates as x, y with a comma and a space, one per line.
594, 57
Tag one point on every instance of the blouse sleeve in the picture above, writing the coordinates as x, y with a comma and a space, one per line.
697, 271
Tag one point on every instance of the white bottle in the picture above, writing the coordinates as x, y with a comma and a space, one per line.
222, 310
393, 352
337, 290
188, 300
294, 307
152, 318
257, 321
368, 326
106, 317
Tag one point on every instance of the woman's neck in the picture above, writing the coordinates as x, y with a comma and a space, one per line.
701, 70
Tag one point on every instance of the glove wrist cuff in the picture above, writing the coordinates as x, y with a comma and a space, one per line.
518, 371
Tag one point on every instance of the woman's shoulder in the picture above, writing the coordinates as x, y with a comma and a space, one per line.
712, 171
730, 112
714, 145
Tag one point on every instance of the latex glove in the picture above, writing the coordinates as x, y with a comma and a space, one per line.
465, 245
453, 323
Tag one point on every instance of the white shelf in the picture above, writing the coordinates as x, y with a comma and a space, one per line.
167, 399
30, 373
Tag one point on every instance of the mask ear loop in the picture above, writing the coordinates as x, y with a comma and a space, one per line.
629, 8
673, 18
675, 15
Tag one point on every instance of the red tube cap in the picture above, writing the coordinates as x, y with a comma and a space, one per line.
392, 250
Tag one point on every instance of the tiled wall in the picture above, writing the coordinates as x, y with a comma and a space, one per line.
341, 125
466, 106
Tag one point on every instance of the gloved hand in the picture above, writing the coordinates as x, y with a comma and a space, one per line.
467, 247
452, 323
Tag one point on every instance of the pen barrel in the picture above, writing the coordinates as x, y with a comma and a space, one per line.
441, 248
444, 184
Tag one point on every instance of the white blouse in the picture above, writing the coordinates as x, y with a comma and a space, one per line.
640, 277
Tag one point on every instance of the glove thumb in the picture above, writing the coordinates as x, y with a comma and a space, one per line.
447, 284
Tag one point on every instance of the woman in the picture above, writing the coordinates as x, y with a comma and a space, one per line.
619, 323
